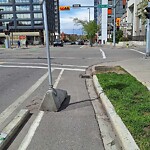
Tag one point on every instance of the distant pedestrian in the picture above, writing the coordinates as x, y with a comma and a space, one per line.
27, 43
18, 43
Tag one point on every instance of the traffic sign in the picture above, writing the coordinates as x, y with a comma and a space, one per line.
64, 7
76, 5
103, 6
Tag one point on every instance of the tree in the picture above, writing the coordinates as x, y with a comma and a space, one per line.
142, 5
90, 28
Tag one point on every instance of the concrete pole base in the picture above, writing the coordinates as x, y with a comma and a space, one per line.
53, 99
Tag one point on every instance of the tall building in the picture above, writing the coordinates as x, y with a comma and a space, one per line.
105, 20
25, 18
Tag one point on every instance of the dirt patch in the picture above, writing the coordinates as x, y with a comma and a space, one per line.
106, 69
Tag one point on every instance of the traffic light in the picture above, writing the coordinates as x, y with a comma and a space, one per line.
118, 22
64, 7
147, 12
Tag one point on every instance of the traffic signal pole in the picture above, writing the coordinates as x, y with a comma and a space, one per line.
114, 26
148, 34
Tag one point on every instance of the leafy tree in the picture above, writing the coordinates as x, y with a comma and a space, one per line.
90, 28
143, 4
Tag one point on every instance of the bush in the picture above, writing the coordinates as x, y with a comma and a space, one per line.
123, 39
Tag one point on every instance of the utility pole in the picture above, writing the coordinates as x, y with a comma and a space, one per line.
114, 26
89, 14
148, 29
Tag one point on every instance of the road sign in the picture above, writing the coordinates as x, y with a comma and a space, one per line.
103, 6
76, 5
64, 7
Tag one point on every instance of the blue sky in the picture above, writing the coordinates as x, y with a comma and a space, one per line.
66, 17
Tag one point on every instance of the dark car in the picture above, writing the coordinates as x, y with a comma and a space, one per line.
80, 42
58, 42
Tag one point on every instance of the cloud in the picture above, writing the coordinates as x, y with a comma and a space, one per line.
66, 17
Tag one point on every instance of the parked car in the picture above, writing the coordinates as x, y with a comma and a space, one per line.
73, 43
80, 42
58, 42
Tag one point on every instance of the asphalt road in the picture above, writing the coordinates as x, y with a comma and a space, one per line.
23, 76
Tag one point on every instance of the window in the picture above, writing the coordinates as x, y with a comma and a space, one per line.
36, 7
22, 8
24, 23
23, 16
37, 23
22, 1
37, 15
35, 1
6, 16
6, 8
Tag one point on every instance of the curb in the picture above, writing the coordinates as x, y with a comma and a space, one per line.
124, 136
9, 131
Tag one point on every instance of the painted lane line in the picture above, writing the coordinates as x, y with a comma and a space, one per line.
37, 67
138, 51
58, 79
103, 54
9, 110
26, 141
13, 66
45, 64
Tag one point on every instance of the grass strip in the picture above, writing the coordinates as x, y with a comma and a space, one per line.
131, 100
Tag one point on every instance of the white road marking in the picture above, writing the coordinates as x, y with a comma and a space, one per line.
82, 46
26, 141
58, 79
103, 54
137, 51
45, 64
37, 67
5, 114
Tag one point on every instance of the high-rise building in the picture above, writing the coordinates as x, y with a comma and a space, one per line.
105, 20
25, 17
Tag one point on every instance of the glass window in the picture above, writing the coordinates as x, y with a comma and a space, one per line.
24, 23
22, 1
22, 8
37, 23
36, 7
23, 16
35, 1
6, 8
5, 1
6, 16
37, 15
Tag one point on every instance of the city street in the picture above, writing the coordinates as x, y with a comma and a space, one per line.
24, 81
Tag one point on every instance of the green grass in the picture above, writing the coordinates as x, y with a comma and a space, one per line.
131, 100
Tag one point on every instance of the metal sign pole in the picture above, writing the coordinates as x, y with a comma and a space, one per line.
47, 45
114, 27
148, 35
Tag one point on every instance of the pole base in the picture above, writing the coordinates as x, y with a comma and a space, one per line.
53, 99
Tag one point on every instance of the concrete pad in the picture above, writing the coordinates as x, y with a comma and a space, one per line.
8, 132
53, 99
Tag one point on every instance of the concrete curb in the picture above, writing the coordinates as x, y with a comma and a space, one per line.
124, 136
8, 132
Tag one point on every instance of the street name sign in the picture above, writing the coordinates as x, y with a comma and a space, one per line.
103, 6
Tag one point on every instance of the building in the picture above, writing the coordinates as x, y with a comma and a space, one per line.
24, 20
135, 19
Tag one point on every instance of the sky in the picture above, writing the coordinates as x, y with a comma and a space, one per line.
66, 17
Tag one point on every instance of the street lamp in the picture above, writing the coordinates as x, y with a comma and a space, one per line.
53, 97
89, 14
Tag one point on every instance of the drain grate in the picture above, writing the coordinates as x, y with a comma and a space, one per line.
86, 76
